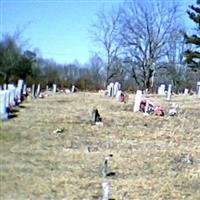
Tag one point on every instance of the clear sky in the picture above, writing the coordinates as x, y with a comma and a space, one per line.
58, 28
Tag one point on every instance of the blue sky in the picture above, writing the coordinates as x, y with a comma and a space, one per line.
58, 28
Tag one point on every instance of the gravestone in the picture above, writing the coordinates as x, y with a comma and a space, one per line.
116, 88
106, 188
138, 98
54, 88
1, 88
169, 92
111, 89
3, 111
47, 88
4, 86
118, 95
198, 89
38, 91
33, 91
108, 90
73, 88
161, 90
24, 89
185, 91
12, 89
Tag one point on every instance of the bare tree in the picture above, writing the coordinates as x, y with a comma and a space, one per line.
145, 32
105, 32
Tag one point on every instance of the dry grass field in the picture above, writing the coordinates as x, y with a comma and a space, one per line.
153, 157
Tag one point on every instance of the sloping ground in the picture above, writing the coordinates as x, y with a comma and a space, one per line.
153, 157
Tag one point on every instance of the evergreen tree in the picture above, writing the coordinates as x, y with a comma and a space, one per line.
193, 55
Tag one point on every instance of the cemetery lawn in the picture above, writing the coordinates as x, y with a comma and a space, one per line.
153, 157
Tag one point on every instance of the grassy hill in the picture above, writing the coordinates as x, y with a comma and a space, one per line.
153, 157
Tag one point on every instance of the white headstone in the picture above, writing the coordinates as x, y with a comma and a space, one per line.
161, 90
116, 88
73, 88
186, 91
169, 92
33, 91
4, 86
12, 89
3, 110
111, 89
118, 95
198, 89
108, 90
38, 91
138, 98
105, 187
24, 89
54, 88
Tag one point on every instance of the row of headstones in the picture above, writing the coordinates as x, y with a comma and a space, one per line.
163, 92
114, 90
10, 96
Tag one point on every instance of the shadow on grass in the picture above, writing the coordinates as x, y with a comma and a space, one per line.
11, 116
21, 106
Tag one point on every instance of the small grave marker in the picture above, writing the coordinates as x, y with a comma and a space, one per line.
161, 90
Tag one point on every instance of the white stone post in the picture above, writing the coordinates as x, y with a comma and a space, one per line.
185, 92
54, 88
138, 98
169, 92
3, 111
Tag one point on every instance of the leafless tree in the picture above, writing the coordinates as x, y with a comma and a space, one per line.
145, 31
105, 32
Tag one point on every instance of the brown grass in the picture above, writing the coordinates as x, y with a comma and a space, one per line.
151, 155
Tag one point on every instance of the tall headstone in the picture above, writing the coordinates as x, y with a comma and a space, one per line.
111, 89
185, 92
108, 90
138, 98
12, 89
4, 86
161, 90
198, 89
33, 91
54, 88
118, 95
73, 88
116, 88
38, 91
3, 110
169, 92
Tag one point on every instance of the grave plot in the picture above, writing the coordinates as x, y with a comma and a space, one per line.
52, 151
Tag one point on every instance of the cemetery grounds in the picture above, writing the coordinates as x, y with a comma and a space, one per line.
50, 150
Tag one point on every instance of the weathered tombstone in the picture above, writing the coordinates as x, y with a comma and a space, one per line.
33, 91
7, 96
185, 92
54, 88
38, 91
11, 88
118, 95
161, 90
73, 88
169, 92
3, 111
47, 88
138, 98
116, 88
108, 90
24, 89
4, 86
111, 89
198, 89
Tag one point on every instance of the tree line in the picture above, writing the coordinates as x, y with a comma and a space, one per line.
141, 45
